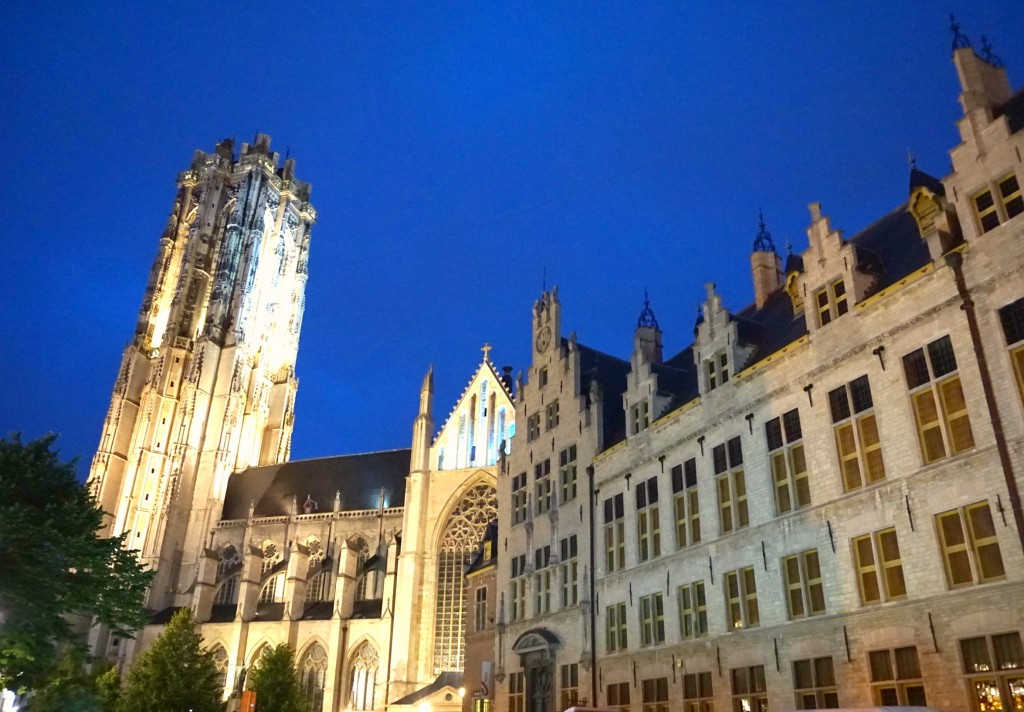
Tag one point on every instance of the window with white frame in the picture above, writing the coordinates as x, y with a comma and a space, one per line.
227, 592
856, 434
273, 590
542, 485
970, 547
686, 503
363, 679
731, 484
519, 498
940, 408
784, 437
568, 570
316, 588
614, 533
542, 581
717, 370
517, 594
648, 523
616, 637
567, 474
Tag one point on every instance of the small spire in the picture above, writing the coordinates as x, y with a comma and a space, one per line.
912, 160
988, 55
647, 320
763, 242
960, 40
789, 246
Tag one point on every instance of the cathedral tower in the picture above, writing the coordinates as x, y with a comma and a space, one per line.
207, 384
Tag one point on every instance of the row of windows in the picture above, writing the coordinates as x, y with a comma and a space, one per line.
544, 487
565, 576
943, 427
999, 203
968, 546
551, 419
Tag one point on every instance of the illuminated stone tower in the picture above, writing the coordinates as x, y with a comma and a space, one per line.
207, 384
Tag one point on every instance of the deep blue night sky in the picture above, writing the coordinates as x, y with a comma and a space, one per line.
457, 151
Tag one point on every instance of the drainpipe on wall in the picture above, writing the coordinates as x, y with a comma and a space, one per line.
955, 260
593, 590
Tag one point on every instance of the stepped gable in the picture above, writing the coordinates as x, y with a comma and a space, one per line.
1013, 110
359, 478
610, 374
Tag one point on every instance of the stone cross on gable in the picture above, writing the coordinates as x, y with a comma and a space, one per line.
487, 352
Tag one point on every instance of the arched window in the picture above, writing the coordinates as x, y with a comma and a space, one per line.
502, 438
271, 555
229, 559
273, 590
462, 534
227, 593
262, 650
363, 591
316, 589
312, 673
220, 661
363, 680
316, 552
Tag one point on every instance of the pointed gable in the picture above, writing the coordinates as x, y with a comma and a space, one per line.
481, 420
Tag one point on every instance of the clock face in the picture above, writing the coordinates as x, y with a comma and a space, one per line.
543, 339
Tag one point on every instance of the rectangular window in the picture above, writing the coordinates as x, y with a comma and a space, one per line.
614, 533
717, 368
693, 610
789, 467
568, 571
731, 485
519, 498
641, 415
985, 208
617, 696
943, 426
856, 433
994, 671
567, 474
805, 595
741, 599
570, 678
1009, 192
831, 301
1011, 317
652, 620
1007, 195
879, 567
686, 503
814, 683
480, 609
551, 416
517, 605
517, 692
698, 695
615, 627
542, 377
542, 580
655, 695
749, 693
542, 485
970, 548
533, 427
896, 677
648, 524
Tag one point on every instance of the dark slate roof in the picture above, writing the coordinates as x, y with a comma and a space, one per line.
610, 373
794, 263
319, 611
359, 478
896, 242
269, 611
445, 679
921, 179
1013, 109
164, 617
677, 378
368, 608
223, 613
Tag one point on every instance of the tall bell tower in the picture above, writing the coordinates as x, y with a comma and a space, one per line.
207, 384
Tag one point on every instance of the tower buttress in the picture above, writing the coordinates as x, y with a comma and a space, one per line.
423, 427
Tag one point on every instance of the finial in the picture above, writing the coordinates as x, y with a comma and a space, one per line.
789, 246
487, 352
647, 320
960, 40
911, 159
988, 55
544, 279
763, 242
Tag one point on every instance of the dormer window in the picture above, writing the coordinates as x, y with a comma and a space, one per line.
831, 302
987, 202
718, 370
641, 416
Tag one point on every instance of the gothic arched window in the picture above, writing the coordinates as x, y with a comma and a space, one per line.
363, 590
462, 534
271, 555
363, 680
312, 673
220, 661
227, 593
316, 589
316, 552
273, 590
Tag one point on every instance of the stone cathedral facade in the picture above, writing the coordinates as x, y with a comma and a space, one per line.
356, 561
816, 503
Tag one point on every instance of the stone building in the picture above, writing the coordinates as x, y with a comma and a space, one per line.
356, 561
816, 503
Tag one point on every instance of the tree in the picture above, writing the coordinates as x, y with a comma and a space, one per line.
175, 675
108, 685
67, 686
54, 564
276, 683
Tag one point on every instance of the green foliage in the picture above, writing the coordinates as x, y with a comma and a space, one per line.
276, 683
108, 686
54, 564
67, 686
175, 674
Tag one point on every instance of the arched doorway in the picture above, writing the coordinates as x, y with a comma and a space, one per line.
536, 650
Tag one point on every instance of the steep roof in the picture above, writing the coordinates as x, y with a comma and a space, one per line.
610, 374
359, 478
